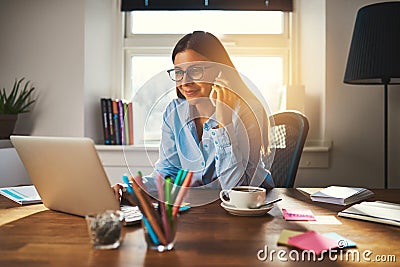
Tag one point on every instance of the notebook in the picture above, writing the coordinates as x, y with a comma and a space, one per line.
21, 194
341, 195
377, 211
67, 173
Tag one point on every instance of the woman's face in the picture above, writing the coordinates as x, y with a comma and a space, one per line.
199, 85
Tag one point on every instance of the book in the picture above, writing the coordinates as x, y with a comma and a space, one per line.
341, 195
126, 124
378, 211
121, 121
110, 120
130, 123
21, 194
116, 122
104, 113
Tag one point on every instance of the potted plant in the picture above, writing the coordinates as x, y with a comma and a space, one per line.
19, 100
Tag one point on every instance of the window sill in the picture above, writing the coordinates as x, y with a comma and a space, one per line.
315, 154
134, 155
127, 147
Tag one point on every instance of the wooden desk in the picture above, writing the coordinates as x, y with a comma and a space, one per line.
207, 236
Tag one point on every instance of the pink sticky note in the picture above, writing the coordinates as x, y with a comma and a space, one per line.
312, 241
298, 215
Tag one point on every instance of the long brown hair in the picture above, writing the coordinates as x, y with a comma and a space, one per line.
205, 44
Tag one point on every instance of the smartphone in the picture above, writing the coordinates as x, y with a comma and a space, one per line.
213, 101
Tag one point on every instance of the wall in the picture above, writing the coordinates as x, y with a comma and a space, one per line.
43, 40
12, 170
100, 32
353, 116
64, 47
310, 16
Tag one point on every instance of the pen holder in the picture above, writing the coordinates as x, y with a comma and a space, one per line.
153, 243
105, 229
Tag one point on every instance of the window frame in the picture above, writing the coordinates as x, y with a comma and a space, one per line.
236, 45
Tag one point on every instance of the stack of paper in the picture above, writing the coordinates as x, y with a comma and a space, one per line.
21, 194
378, 211
341, 195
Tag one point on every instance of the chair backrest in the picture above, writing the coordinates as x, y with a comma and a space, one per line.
288, 137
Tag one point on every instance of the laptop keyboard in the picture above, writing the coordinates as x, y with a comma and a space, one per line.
132, 214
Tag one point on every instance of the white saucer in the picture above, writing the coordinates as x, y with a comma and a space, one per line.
246, 212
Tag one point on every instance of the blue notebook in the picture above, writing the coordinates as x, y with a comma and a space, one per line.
21, 194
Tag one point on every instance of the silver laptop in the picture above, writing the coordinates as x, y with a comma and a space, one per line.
67, 173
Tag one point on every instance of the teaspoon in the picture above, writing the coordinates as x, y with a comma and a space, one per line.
260, 205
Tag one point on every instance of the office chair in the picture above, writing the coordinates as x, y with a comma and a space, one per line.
288, 137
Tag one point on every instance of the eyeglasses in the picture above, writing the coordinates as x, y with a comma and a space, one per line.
195, 73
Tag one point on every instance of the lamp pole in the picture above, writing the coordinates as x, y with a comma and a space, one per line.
385, 81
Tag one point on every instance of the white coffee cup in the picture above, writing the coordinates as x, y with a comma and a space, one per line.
243, 197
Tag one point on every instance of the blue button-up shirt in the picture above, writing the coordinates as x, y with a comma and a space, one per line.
218, 161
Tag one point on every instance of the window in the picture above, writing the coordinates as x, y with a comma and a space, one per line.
257, 41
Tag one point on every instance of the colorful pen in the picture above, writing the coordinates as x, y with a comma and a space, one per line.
162, 208
167, 185
150, 231
148, 211
181, 193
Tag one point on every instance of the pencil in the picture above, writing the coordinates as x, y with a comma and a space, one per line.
168, 197
176, 182
161, 206
185, 172
138, 178
149, 212
181, 194
150, 231
131, 197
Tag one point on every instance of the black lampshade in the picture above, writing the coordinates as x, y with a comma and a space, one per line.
374, 56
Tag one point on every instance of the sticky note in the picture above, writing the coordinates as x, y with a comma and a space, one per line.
312, 241
330, 219
298, 215
285, 234
341, 241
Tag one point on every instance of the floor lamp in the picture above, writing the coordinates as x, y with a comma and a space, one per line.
374, 56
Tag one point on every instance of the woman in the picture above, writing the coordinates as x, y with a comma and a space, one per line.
216, 128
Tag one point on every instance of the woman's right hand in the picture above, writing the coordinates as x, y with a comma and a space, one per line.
225, 99
117, 188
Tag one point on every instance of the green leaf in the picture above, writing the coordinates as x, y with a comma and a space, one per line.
18, 100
